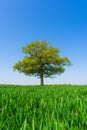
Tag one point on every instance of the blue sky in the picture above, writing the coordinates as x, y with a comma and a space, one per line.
62, 22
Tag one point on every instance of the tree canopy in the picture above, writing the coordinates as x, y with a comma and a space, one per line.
41, 60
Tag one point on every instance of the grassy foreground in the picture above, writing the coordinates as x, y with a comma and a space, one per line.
62, 107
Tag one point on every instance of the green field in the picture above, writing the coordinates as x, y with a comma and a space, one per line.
58, 107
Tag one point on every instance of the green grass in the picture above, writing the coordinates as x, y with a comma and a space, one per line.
59, 107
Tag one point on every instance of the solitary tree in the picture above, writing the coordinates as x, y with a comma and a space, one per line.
41, 60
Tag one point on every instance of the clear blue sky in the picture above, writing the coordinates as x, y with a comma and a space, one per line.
62, 22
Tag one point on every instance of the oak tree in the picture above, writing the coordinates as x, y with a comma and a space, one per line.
41, 60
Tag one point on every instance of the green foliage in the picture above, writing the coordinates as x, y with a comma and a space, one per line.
41, 60
43, 108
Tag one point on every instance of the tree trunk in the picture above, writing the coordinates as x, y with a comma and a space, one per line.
41, 79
